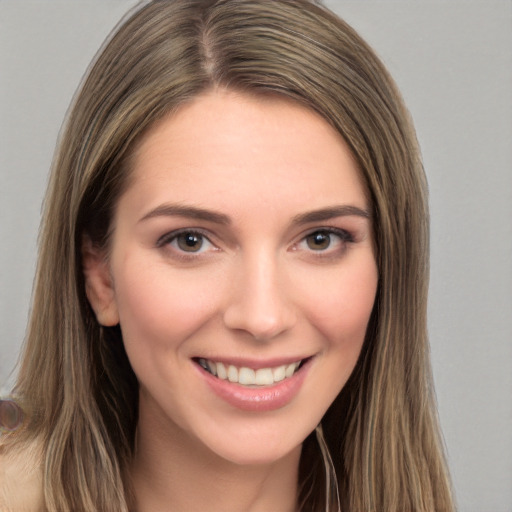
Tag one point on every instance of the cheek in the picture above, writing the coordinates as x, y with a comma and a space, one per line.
160, 307
343, 302
341, 315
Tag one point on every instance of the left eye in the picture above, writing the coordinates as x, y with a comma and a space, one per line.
189, 241
319, 241
323, 240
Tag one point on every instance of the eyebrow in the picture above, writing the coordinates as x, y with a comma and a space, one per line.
192, 212
331, 212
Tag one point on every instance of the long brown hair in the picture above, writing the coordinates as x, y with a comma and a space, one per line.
380, 439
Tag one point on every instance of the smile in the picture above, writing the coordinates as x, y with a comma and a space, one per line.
255, 386
247, 376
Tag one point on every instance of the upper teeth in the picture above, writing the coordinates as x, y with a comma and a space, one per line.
248, 376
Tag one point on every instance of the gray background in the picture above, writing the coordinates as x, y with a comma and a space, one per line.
453, 63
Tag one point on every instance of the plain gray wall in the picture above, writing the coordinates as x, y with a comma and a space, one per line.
453, 63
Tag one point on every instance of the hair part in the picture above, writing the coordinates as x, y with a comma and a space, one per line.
75, 381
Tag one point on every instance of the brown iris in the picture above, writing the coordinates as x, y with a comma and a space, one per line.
319, 240
189, 242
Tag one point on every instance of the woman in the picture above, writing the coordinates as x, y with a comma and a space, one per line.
229, 309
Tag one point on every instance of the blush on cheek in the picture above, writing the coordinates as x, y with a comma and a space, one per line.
152, 307
343, 308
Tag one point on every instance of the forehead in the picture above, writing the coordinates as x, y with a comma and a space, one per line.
225, 145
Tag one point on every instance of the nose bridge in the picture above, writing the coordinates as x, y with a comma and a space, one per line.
260, 303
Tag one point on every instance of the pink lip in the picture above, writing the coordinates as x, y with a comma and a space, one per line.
266, 398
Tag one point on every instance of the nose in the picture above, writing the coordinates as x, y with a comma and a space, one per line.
260, 303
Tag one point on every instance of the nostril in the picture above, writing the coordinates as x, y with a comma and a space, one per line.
262, 321
260, 303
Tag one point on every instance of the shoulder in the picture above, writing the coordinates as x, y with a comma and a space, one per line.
20, 476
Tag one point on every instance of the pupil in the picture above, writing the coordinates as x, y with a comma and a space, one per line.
319, 241
190, 242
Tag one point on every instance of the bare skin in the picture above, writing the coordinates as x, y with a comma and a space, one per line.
166, 483
243, 241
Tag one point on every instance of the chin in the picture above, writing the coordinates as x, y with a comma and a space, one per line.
251, 454
260, 441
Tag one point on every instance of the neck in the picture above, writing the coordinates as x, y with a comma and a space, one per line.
174, 472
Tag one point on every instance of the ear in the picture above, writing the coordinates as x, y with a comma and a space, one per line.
98, 283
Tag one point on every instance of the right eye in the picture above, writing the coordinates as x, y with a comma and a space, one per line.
188, 241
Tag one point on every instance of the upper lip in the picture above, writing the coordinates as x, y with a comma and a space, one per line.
255, 364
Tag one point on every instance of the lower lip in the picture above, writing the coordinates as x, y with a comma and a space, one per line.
268, 398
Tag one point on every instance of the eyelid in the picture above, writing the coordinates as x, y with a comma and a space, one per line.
168, 238
345, 236
171, 235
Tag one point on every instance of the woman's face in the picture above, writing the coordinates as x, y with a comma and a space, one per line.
241, 272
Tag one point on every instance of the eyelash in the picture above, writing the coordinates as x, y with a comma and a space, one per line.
344, 237
169, 238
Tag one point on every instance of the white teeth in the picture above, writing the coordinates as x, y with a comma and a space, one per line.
232, 373
212, 367
264, 377
290, 370
221, 371
279, 373
248, 376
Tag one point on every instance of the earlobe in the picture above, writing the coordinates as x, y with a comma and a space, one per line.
98, 283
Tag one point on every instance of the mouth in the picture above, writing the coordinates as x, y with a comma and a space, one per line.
250, 377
